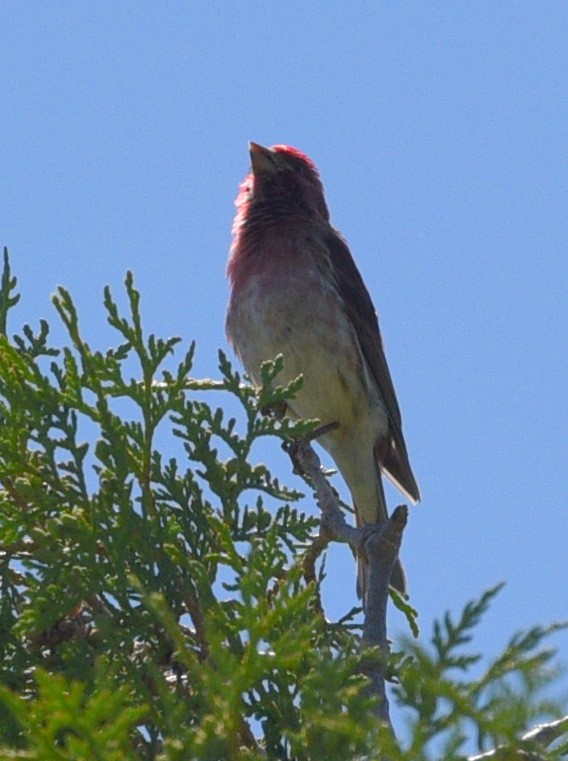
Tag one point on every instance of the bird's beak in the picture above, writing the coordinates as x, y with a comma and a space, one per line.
262, 159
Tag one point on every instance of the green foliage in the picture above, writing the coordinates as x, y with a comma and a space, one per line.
64, 722
155, 606
449, 707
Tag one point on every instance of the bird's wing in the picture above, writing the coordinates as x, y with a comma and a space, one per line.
394, 459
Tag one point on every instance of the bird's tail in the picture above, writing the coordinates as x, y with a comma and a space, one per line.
398, 577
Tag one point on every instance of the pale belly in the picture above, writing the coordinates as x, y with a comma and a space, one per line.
317, 340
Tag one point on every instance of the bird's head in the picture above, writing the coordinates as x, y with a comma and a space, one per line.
283, 177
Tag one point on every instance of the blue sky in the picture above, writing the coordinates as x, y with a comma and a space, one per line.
440, 133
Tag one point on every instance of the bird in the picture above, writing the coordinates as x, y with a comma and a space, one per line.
295, 290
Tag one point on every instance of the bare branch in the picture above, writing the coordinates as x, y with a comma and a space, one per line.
381, 546
543, 735
306, 461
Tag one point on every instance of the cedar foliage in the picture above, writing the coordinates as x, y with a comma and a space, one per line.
155, 607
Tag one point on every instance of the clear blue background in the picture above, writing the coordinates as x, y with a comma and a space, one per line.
440, 130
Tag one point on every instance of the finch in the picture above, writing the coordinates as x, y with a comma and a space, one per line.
296, 291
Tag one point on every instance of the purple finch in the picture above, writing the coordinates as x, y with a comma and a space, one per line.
296, 291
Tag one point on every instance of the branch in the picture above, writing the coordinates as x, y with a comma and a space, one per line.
381, 546
306, 461
543, 735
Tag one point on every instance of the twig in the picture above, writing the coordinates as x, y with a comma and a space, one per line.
505, 753
306, 461
543, 735
319, 545
194, 610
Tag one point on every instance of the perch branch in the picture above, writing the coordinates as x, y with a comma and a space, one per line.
381, 546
